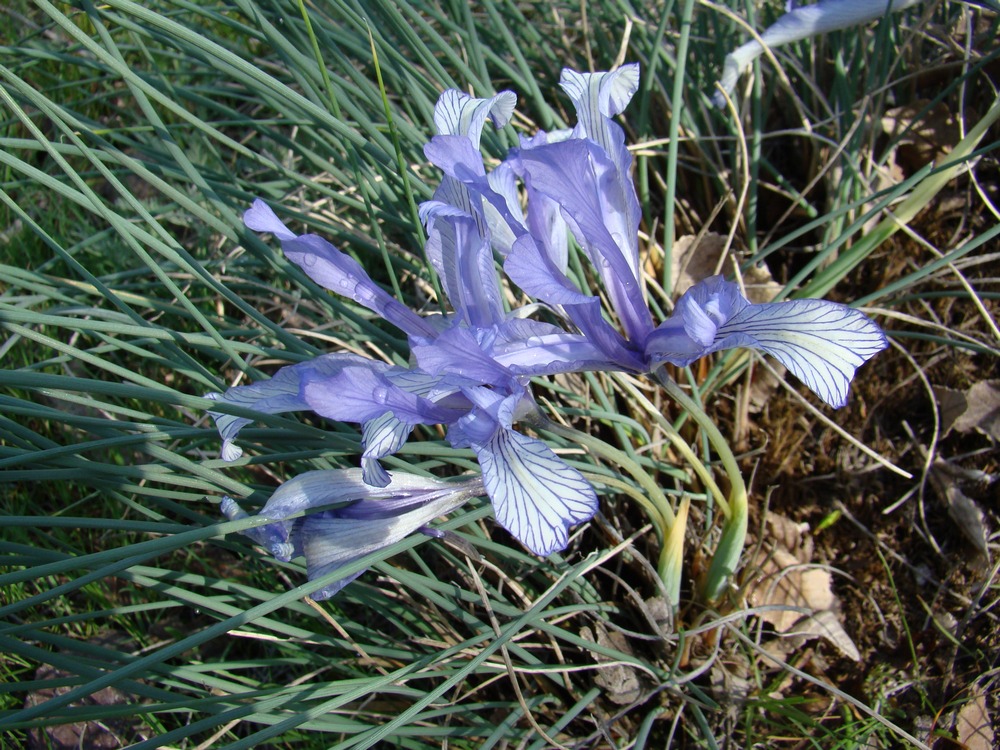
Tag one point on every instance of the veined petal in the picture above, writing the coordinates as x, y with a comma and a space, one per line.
490, 200
502, 235
590, 320
273, 537
552, 353
457, 113
802, 22
333, 540
597, 98
590, 190
463, 259
462, 351
532, 347
281, 393
822, 343
537, 273
536, 496
366, 520
315, 489
381, 437
692, 329
332, 269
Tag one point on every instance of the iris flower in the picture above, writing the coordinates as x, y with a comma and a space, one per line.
586, 177
358, 519
802, 22
471, 368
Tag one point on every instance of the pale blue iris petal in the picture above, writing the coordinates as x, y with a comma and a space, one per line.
457, 113
340, 273
464, 261
260, 218
548, 227
368, 520
597, 97
333, 270
581, 178
530, 348
279, 394
273, 537
536, 496
534, 271
381, 437
467, 187
801, 22
698, 324
460, 351
552, 354
330, 541
670, 342
359, 394
435, 388
822, 343
502, 235
589, 318
692, 329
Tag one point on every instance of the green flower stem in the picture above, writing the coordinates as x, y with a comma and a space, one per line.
678, 442
659, 507
734, 530
670, 527
625, 488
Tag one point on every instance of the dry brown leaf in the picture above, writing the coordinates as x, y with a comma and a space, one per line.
962, 509
973, 726
787, 579
620, 681
923, 136
977, 408
969, 518
694, 259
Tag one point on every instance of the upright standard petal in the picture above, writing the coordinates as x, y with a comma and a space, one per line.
802, 22
822, 343
598, 97
457, 113
588, 187
463, 259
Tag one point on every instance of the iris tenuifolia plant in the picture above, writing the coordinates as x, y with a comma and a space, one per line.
471, 368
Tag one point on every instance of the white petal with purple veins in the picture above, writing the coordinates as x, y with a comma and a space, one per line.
457, 113
330, 541
536, 495
822, 343
381, 437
